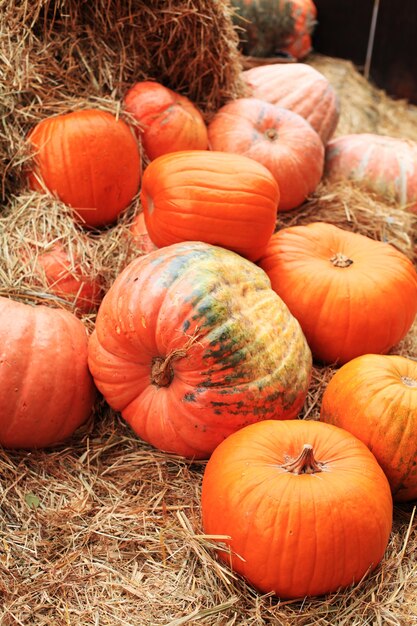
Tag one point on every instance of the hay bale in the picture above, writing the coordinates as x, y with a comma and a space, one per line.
60, 54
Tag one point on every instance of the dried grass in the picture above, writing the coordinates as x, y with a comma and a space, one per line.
106, 530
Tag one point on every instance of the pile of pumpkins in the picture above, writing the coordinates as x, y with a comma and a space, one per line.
205, 344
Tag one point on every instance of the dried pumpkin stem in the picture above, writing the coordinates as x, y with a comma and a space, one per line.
341, 260
271, 134
304, 463
408, 381
162, 371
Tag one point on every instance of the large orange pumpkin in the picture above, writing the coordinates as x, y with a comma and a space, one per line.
46, 390
90, 160
224, 199
300, 88
375, 398
304, 506
280, 139
351, 294
140, 234
168, 121
191, 343
386, 166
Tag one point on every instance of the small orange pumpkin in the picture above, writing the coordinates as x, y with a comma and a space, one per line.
66, 279
140, 234
304, 507
90, 160
224, 199
351, 294
168, 121
280, 139
375, 398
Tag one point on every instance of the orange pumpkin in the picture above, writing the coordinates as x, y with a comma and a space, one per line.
215, 197
352, 295
66, 279
300, 88
47, 391
304, 507
168, 121
281, 140
90, 160
386, 166
140, 234
191, 343
375, 398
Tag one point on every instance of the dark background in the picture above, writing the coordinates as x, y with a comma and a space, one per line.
343, 31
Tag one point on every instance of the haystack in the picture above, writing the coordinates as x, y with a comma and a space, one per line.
104, 529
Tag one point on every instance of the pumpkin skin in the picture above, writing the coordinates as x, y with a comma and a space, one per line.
223, 199
89, 160
270, 27
191, 343
297, 534
140, 234
283, 141
66, 279
375, 398
47, 391
383, 165
168, 121
352, 295
300, 88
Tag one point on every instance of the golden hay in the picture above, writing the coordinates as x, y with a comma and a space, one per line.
104, 529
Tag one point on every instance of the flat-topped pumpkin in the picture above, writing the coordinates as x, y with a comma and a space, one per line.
191, 344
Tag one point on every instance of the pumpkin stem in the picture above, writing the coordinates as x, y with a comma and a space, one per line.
162, 371
341, 260
304, 463
409, 382
271, 134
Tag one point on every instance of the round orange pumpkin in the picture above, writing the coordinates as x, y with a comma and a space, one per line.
304, 507
168, 121
280, 139
386, 166
224, 199
90, 160
191, 343
300, 88
46, 389
375, 397
66, 279
351, 294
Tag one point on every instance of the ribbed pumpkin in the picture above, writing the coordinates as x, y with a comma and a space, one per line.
168, 121
140, 234
270, 27
191, 344
375, 398
384, 165
306, 506
66, 279
300, 88
215, 197
88, 159
46, 389
283, 141
351, 294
